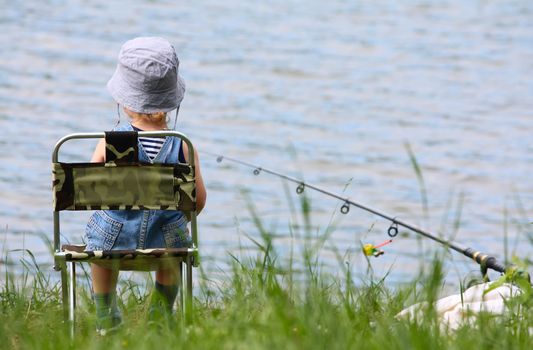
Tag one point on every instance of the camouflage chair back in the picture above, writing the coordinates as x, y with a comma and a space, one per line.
123, 183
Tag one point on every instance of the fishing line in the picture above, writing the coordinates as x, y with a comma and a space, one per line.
484, 260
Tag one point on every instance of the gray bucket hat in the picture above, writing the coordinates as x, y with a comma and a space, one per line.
147, 78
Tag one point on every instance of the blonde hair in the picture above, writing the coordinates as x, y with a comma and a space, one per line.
156, 117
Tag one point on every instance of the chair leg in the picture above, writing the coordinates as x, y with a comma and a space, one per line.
64, 289
72, 296
180, 288
188, 296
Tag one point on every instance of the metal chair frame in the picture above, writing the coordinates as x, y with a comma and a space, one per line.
67, 266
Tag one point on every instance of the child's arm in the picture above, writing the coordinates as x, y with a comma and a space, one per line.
99, 152
201, 194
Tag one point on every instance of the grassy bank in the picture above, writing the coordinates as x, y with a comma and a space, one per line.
260, 303
262, 300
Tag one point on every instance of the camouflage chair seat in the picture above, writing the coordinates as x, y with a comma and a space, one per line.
126, 259
123, 183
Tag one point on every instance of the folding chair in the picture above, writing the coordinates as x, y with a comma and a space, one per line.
93, 186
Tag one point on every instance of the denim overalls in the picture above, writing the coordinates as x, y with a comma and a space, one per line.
140, 229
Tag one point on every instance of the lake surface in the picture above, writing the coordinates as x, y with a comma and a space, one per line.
326, 91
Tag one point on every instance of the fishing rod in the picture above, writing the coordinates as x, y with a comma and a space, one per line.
484, 260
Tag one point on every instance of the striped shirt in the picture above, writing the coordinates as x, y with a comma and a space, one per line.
151, 145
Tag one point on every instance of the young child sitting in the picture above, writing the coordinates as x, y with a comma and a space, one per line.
147, 85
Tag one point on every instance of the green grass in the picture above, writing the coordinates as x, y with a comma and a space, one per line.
262, 301
266, 300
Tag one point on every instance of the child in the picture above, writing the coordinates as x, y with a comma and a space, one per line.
147, 85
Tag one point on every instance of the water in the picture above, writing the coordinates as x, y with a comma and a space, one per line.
327, 91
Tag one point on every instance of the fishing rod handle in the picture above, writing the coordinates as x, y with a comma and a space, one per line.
493, 264
485, 260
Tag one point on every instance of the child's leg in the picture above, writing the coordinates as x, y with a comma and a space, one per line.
168, 276
104, 279
166, 289
105, 298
